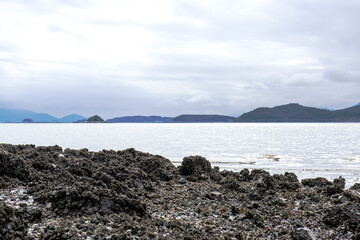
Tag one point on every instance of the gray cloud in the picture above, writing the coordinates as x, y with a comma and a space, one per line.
173, 57
341, 75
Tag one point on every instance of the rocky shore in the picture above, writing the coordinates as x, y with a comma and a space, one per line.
51, 193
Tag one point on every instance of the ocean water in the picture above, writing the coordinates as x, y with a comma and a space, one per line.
308, 149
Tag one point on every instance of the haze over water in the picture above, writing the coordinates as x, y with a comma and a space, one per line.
308, 149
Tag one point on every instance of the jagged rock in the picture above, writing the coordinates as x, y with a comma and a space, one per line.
356, 186
316, 182
352, 194
134, 195
339, 182
342, 215
337, 186
196, 166
12, 224
287, 181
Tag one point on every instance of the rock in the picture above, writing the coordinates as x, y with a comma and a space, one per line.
182, 180
339, 182
215, 194
316, 182
342, 199
303, 234
345, 216
13, 224
158, 166
337, 186
244, 175
287, 181
231, 181
258, 173
356, 186
196, 166
34, 214
134, 195
265, 182
352, 194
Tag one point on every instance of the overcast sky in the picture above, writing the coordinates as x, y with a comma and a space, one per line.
116, 58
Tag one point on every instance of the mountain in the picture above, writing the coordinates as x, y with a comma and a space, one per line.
71, 118
140, 119
351, 114
193, 118
294, 112
12, 115
17, 116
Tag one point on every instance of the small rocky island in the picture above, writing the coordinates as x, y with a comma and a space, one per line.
51, 193
95, 119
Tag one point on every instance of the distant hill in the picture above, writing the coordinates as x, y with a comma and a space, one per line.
17, 116
27, 120
72, 118
193, 118
140, 119
95, 119
297, 113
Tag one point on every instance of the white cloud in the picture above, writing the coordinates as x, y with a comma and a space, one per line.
177, 56
305, 79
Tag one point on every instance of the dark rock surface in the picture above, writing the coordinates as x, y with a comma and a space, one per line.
51, 193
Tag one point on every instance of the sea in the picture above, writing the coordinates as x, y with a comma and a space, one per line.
309, 150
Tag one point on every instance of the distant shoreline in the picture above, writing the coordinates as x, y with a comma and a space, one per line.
292, 112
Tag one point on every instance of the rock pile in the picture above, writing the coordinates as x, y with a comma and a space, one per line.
51, 193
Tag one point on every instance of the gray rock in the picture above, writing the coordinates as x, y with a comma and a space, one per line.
215, 194
195, 165
342, 199
182, 181
303, 234
352, 194
339, 182
316, 182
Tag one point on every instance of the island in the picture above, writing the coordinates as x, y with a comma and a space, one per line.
295, 112
140, 119
202, 118
95, 119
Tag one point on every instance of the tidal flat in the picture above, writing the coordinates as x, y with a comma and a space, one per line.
51, 193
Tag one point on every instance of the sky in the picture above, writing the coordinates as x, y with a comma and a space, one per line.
171, 57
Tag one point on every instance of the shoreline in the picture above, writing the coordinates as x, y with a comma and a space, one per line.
47, 192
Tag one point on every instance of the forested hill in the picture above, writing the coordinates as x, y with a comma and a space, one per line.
294, 112
140, 119
193, 118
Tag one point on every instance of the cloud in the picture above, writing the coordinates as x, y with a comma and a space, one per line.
305, 79
342, 75
172, 57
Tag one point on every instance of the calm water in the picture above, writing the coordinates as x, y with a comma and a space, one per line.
308, 149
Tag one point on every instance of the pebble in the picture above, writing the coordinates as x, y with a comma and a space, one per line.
215, 194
